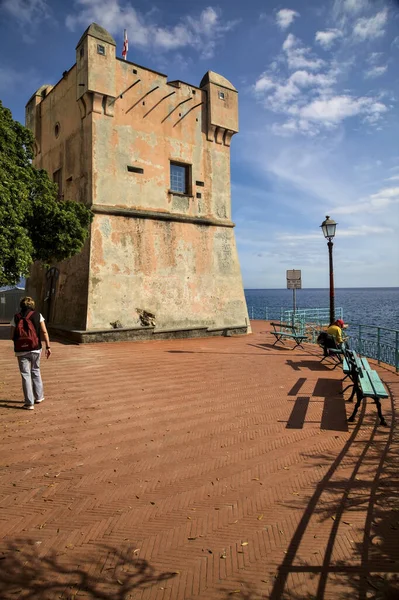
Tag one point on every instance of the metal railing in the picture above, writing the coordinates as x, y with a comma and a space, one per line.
379, 343
320, 317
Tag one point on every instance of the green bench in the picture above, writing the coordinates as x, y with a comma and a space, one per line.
365, 381
285, 331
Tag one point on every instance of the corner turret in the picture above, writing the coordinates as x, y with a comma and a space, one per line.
222, 108
95, 63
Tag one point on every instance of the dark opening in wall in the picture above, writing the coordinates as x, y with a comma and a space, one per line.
200, 183
135, 169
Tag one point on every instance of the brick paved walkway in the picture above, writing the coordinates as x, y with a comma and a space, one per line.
201, 469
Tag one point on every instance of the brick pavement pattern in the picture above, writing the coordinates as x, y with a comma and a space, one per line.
195, 469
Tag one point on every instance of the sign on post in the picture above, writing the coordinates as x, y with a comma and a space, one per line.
294, 279
294, 283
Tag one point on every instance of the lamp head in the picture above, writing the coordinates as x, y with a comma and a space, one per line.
328, 226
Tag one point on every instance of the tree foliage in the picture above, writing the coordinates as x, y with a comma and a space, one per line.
34, 223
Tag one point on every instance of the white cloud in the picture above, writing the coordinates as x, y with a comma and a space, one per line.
285, 17
201, 33
356, 231
300, 57
27, 11
353, 6
264, 83
393, 178
29, 14
376, 72
333, 110
374, 57
327, 38
304, 79
387, 193
370, 28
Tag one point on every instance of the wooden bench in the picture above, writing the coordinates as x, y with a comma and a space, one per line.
285, 331
365, 381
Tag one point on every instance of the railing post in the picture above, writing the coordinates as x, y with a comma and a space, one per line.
252, 312
397, 351
378, 345
360, 339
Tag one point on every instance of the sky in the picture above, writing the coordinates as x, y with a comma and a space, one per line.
319, 118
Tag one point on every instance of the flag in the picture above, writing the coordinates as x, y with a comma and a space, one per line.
125, 45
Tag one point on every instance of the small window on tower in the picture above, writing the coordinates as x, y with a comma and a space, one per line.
100, 49
221, 95
82, 52
179, 178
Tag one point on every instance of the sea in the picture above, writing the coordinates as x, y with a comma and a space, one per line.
366, 306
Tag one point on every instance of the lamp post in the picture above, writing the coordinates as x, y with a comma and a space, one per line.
328, 226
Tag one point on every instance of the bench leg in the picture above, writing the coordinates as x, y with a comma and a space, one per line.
350, 399
382, 420
300, 345
347, 388
358, 402
278, 340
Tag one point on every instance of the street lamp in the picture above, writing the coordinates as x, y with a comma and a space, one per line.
328, 226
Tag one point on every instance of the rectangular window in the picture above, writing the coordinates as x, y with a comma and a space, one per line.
100, 49
57, 178
179, 178
222, 95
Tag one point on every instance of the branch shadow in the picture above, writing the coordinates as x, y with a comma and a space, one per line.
371, 569
117, 574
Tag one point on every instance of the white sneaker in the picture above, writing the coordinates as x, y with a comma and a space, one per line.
28, 406
38, 401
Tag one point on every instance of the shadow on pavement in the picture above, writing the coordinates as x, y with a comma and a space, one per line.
312, 365
111, 575
15, 404
371, 569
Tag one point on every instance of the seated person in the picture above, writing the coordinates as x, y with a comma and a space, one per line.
336, 331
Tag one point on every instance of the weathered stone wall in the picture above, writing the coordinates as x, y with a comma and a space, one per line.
186, 274
63, 141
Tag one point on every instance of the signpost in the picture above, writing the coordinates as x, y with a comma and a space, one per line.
294, 283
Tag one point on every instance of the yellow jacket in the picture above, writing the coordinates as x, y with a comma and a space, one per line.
336, 332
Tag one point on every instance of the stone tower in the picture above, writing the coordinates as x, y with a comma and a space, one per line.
151, 157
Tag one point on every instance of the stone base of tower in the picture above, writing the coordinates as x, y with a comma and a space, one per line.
137, 334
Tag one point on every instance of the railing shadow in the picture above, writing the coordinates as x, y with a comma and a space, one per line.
26, 574
372, 570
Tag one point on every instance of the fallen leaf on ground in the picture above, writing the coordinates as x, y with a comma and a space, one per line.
260, 517
244, 543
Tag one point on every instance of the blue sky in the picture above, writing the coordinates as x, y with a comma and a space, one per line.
319, 119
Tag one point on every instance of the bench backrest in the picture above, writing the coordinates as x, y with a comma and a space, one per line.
285, 326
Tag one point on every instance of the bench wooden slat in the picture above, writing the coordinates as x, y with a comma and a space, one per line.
377, 384
366, 385
365, 364
345, 367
